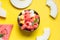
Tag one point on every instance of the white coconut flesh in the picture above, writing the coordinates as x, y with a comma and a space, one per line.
32, 13
1, 39
2, 11
53, 7
21, 3
45, 36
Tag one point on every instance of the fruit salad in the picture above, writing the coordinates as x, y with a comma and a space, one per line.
28, 20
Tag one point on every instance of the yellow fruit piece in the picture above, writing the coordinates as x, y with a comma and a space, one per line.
33, 18
21, 17
22, 21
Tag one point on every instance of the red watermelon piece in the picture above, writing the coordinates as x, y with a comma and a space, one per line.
5, 30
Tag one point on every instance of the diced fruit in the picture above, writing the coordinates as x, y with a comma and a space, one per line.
22, 21
28, 27
23, 12
28, 23
32, 19
27, 12
36, 16
32, 13
21, 17
35, 25
1, 35
24, 26
32, 28
26, 17
36, 20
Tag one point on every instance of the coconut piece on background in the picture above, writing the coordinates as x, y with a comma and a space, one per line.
2, 11
45, 36
53, 7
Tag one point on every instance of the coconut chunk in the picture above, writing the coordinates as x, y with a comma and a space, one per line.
2, 11
45, 36
53, 7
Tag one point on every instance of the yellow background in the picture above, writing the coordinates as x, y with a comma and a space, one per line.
45, 20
